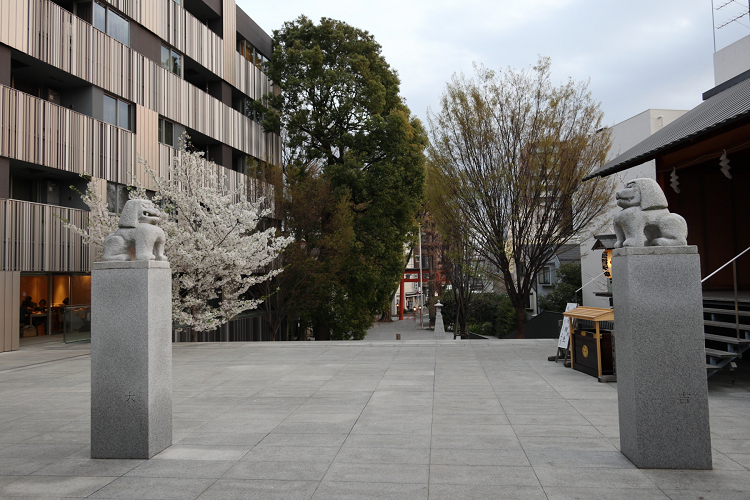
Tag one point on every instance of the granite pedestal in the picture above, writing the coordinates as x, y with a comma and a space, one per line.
131, 359
661, 362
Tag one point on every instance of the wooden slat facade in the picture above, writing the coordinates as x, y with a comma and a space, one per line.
38, 131
230, 42
34, 238
64, 41
14, 18
10, 282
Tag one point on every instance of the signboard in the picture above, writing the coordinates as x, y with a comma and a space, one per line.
565, 330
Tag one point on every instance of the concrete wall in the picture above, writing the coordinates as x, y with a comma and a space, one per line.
5, 65
10, 306
4, 177
732, 60
145, 42
625, 135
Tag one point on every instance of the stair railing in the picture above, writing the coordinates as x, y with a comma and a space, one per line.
732, 261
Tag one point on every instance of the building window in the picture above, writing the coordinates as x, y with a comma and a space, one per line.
166, 132
171, 60
544, 276
117, 195
249, 52
245, 106
25, 86
111, 23
24, 189
118, 112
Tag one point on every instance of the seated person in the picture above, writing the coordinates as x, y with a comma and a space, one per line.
42, 307
26, 310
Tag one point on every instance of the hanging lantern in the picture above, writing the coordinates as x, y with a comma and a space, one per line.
607, 263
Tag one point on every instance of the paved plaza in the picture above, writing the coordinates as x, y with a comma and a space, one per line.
379, 418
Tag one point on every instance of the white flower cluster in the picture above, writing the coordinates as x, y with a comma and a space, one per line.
214, 245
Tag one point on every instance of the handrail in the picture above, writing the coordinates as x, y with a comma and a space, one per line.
592, 280
733, 261
727, 263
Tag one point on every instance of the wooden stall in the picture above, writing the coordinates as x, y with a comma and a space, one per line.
584, 340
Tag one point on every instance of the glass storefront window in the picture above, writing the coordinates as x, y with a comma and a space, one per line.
45, 298
34, 307
80, 290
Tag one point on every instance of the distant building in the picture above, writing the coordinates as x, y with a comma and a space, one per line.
569, 253
88, 87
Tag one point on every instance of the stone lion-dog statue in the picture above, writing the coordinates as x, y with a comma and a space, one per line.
645, 219
139, 237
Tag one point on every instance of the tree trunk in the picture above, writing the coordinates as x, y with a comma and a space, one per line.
322, 331
520, 317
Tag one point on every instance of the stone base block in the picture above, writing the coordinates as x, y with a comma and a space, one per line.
661, 375
439, 327
131, 359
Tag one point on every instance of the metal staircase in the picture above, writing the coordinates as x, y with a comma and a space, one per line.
726, 339
726, 325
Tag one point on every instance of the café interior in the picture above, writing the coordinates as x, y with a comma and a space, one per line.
54, 296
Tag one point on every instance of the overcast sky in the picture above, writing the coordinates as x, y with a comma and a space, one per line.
638, 54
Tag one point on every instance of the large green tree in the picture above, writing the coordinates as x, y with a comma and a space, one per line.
344, 122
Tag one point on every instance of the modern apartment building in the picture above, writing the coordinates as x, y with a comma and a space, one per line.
86, 88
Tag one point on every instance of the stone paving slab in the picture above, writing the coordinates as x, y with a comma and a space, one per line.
379, 418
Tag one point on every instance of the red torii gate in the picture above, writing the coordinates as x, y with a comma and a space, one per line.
404, 279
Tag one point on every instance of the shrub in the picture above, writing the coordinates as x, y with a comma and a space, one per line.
506, 317
487, 329
564, 289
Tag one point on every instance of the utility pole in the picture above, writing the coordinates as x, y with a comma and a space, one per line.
421, 290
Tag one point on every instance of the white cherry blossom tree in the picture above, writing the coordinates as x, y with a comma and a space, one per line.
215, 247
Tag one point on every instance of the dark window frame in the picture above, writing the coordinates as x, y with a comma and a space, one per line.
107, 26
545, 276
173, 56
162, 132
118, 119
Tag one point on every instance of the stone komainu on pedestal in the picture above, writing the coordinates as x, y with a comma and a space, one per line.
661, 363
645, 220
131, 340
139, 237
